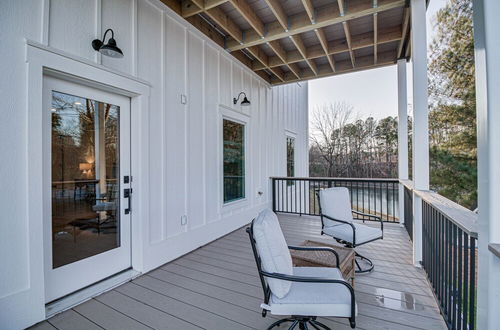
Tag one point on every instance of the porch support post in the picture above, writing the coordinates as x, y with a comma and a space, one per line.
402, 134
487, 52
420, 120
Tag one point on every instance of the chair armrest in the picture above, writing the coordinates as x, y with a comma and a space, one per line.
307, 279
316, 248
371, 216
344, 222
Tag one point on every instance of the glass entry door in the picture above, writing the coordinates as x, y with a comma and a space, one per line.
87, 180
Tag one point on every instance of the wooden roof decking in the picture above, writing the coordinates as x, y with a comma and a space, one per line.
293, 40
217, 287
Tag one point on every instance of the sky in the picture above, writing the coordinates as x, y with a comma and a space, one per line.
371, 92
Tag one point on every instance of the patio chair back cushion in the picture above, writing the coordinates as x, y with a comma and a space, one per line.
273, 251
336, 203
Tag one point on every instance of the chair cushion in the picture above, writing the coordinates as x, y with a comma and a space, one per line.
273, 251
314, 299
335, 203
344, 232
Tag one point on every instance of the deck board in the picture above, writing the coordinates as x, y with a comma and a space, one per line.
217, 287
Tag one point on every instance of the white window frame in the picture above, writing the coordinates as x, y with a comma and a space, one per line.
243, 119
293, 135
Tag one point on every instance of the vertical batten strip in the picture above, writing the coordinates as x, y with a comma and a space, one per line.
98, 28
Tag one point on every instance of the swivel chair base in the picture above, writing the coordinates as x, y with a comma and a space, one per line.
361, 270
304, 323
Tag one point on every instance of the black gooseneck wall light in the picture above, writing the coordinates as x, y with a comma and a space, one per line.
108, 49
245, 101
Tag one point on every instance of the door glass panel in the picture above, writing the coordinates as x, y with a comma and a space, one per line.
85, 173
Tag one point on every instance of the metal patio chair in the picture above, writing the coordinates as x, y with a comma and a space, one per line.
337, 221
301, 293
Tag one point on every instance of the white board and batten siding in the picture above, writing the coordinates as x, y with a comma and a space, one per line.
185, 138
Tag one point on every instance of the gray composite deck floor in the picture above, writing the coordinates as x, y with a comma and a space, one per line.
217, 287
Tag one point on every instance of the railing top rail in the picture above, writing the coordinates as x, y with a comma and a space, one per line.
459, 215
495, 249
333, 179
407, 183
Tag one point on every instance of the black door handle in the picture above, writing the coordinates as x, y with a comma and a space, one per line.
127, 193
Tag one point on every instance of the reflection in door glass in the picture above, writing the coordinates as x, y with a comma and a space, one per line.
85, 172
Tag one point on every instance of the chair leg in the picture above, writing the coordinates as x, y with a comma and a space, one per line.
317, 324
294, 324
279, 322
302, 321
361, 270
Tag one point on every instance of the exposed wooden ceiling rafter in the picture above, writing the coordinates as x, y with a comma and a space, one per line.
335, 47
368, 39
300, 23
363, 63
320, 33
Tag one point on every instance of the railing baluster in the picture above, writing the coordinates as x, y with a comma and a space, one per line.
454, 283
466, 281
460, 280
472, 292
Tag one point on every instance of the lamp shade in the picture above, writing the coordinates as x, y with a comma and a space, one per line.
85, 166
245, 102
111, 50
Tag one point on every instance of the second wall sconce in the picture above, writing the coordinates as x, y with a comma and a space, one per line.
245, 101
110, 49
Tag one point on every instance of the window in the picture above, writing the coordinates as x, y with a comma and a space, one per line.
234, 160
290, 156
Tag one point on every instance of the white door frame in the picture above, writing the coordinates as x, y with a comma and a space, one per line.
46, 60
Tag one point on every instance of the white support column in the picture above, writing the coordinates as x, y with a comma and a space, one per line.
420, 119
402, 133
487, 52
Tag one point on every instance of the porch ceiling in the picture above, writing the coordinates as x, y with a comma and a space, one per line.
286, 41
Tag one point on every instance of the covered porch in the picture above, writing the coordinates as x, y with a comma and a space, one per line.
217, 287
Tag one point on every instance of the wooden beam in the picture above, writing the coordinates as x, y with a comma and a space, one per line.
278, 72
363, 63
209, 4
404, 32
309, 9
349, 42
207, 29
320, 33
226, 23
281, 54
295, 69
299, 43
174, 5
260, 56
326, 15
340, 3
337, 47
249, 14
189, 8
278, 12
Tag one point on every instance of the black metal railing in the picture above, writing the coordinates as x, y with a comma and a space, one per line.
449, 256
408, 211
372, 196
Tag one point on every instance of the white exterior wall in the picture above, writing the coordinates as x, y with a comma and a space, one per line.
185, 140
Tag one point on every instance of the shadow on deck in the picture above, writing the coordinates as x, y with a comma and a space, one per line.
217, 287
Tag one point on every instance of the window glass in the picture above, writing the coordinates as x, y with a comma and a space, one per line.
234, 160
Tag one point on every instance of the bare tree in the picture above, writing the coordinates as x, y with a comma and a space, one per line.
343, 145
328, 124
